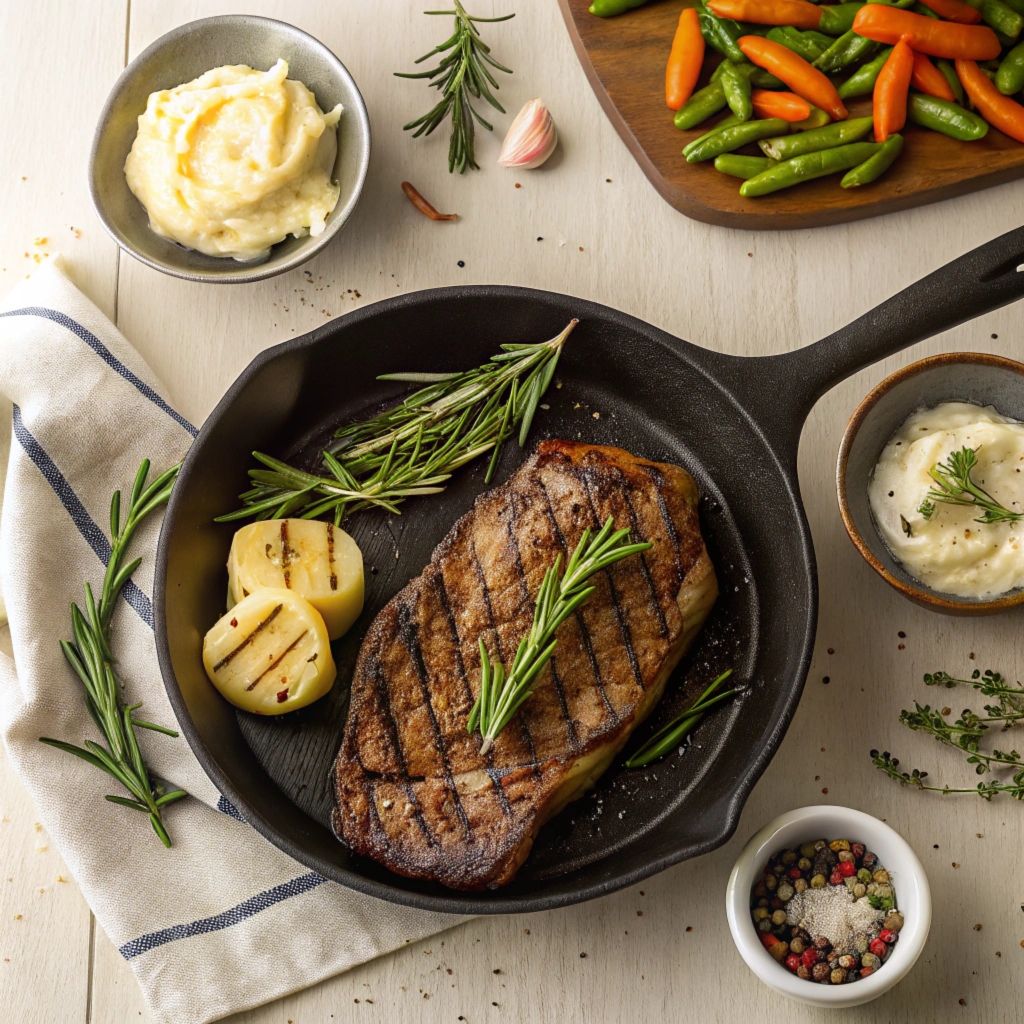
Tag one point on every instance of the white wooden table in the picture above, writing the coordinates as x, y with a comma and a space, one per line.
606, 236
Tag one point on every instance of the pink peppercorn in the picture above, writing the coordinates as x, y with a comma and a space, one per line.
846, 868
887, 935
810, 957
857, 849
836, 878
793, 962
865, 971
878, 947
795, 872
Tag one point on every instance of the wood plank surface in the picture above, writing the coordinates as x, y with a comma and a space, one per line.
606, 235
624, 59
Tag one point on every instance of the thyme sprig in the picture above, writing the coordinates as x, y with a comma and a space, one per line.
965, 734
90, 656
461, 77
954, 486
503, 693
669, 736
414, 447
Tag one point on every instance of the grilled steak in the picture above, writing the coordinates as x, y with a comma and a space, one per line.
411, 786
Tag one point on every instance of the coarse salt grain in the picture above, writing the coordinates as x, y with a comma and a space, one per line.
834, 913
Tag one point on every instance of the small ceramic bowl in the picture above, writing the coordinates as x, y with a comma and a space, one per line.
803, 826
954, 377
182, 55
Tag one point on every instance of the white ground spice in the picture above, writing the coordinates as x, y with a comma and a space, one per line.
833, 912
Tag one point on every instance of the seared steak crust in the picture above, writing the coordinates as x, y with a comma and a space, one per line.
411, 786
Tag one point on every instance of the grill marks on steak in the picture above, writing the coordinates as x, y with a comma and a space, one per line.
412, 789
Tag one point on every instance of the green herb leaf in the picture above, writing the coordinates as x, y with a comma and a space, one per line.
503, 693
91, 660
954, 486
461, 76
414, 447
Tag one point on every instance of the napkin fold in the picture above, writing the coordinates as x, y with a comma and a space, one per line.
223, 921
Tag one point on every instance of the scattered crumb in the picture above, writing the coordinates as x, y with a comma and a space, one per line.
17, 917
689, 927
518, 185
977, 927
597, 415
955, 864
40, 241
640, 913
581, 248
824, 789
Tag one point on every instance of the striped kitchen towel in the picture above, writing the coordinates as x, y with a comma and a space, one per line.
222, 921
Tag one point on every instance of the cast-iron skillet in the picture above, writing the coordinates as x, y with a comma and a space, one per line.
734, 423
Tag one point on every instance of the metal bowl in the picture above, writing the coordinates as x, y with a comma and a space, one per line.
182, 55
952, 377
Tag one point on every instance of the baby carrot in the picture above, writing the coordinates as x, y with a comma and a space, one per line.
1000, 111
927, 35
891, 88
798, 13
806, 81
684, 60
954, 10
787, 105
927, 78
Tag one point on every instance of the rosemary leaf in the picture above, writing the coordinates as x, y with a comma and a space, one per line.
412, 448
90, 658
503, 693
461, 76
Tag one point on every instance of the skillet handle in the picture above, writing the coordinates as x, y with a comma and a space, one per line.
782, 389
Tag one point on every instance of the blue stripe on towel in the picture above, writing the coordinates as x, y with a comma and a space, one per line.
225, 806
106, 355
87, 527
254, 905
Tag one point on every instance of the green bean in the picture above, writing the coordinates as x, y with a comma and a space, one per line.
946, 117
737, 93
926, 12
894, 3
848, 49
832, 135
1010, 76
1015, 5
795, 40
726, 122
807, 167
1001, 17
733, 138
610, 8
816, 119
876, 165
720, 34
742, 166
700, 106
862, 81
950, 75
758, 76
838, 20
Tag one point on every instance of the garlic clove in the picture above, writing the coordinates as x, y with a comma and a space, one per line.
531, 139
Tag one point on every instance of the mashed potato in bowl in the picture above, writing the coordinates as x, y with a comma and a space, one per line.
235, 161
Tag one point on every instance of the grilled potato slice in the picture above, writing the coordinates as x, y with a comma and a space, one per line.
270, 653
318, 561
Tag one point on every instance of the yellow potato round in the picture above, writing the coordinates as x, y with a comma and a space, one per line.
318, 561
270, 653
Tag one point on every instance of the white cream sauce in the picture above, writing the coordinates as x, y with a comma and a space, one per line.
951, 552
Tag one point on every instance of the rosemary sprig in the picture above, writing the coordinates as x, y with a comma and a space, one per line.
90, 656
965, 734
954, 486
413, 448
669, 736
461, 77
503, 693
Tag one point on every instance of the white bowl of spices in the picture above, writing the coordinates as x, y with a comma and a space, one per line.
842, 899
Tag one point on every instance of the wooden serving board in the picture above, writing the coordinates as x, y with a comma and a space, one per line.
624, 59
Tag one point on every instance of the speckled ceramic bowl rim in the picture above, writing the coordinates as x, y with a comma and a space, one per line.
234, 272
913, 896
921, 594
